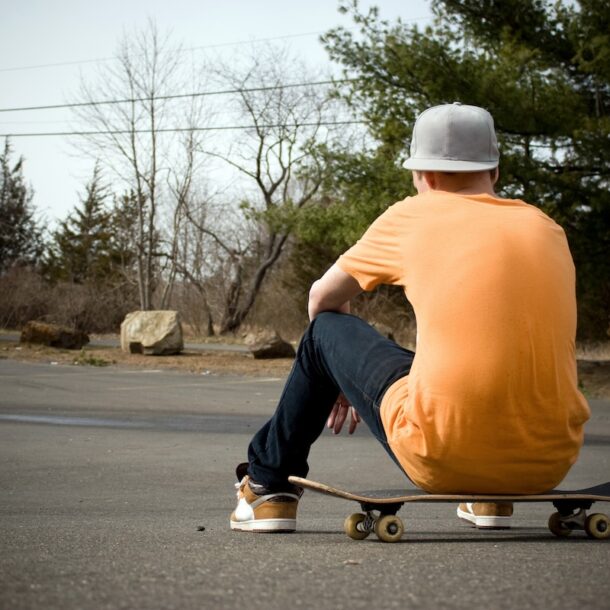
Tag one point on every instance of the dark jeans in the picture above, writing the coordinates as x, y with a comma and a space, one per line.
338, 353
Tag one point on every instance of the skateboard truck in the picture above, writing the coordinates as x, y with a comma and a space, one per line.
386, 525
572, 516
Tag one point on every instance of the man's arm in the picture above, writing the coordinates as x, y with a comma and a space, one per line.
332, 292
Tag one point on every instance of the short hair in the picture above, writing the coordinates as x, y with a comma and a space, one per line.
492, 172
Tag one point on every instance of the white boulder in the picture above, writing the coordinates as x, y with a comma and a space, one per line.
152, 332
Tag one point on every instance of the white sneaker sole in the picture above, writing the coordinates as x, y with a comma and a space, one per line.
265, 525
484, 522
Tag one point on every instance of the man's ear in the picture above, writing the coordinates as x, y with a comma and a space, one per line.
496, 176
430, 178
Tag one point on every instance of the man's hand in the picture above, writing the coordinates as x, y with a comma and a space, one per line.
338, 415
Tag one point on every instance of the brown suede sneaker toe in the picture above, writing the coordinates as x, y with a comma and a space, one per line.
486, 515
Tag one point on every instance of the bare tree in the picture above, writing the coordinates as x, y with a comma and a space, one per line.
135, 138
189, 250
179, 187
280, 165
273, 168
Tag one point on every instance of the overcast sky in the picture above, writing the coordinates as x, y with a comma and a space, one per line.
36, 34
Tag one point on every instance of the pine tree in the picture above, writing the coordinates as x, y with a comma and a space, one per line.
543, 71
82, 249
124, 241
21, 240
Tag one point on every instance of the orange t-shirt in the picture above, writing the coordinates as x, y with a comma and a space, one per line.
491, 403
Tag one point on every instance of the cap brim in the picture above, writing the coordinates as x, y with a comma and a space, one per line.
448, 165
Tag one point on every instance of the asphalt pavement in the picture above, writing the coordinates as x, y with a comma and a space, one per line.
116, 487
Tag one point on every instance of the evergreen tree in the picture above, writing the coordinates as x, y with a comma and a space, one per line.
21, 240
124, 241
542, 69
82, 250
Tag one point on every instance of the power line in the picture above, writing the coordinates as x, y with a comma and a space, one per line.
178, 129
58, 122
174, 97
197, 48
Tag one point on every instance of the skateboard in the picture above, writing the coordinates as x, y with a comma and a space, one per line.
379, 508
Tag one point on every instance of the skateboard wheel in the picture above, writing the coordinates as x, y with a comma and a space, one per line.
354, 526
389, 528
597, 526
558, 527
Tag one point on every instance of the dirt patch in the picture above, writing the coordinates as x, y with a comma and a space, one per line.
594, 375
215, 362
594, 378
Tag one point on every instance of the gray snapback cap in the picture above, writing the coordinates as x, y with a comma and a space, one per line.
453, 138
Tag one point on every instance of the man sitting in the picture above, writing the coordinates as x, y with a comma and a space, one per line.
489, 402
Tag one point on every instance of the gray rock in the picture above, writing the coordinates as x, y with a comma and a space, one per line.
268, 344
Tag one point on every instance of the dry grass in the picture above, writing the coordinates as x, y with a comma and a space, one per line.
597, 352
594, 378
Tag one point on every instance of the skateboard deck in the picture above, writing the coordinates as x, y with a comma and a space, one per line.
379, 508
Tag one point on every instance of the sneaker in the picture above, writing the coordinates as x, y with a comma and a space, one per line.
486, 515
259, 510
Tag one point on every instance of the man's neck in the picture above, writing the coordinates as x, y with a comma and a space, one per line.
473, 190
477, 183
